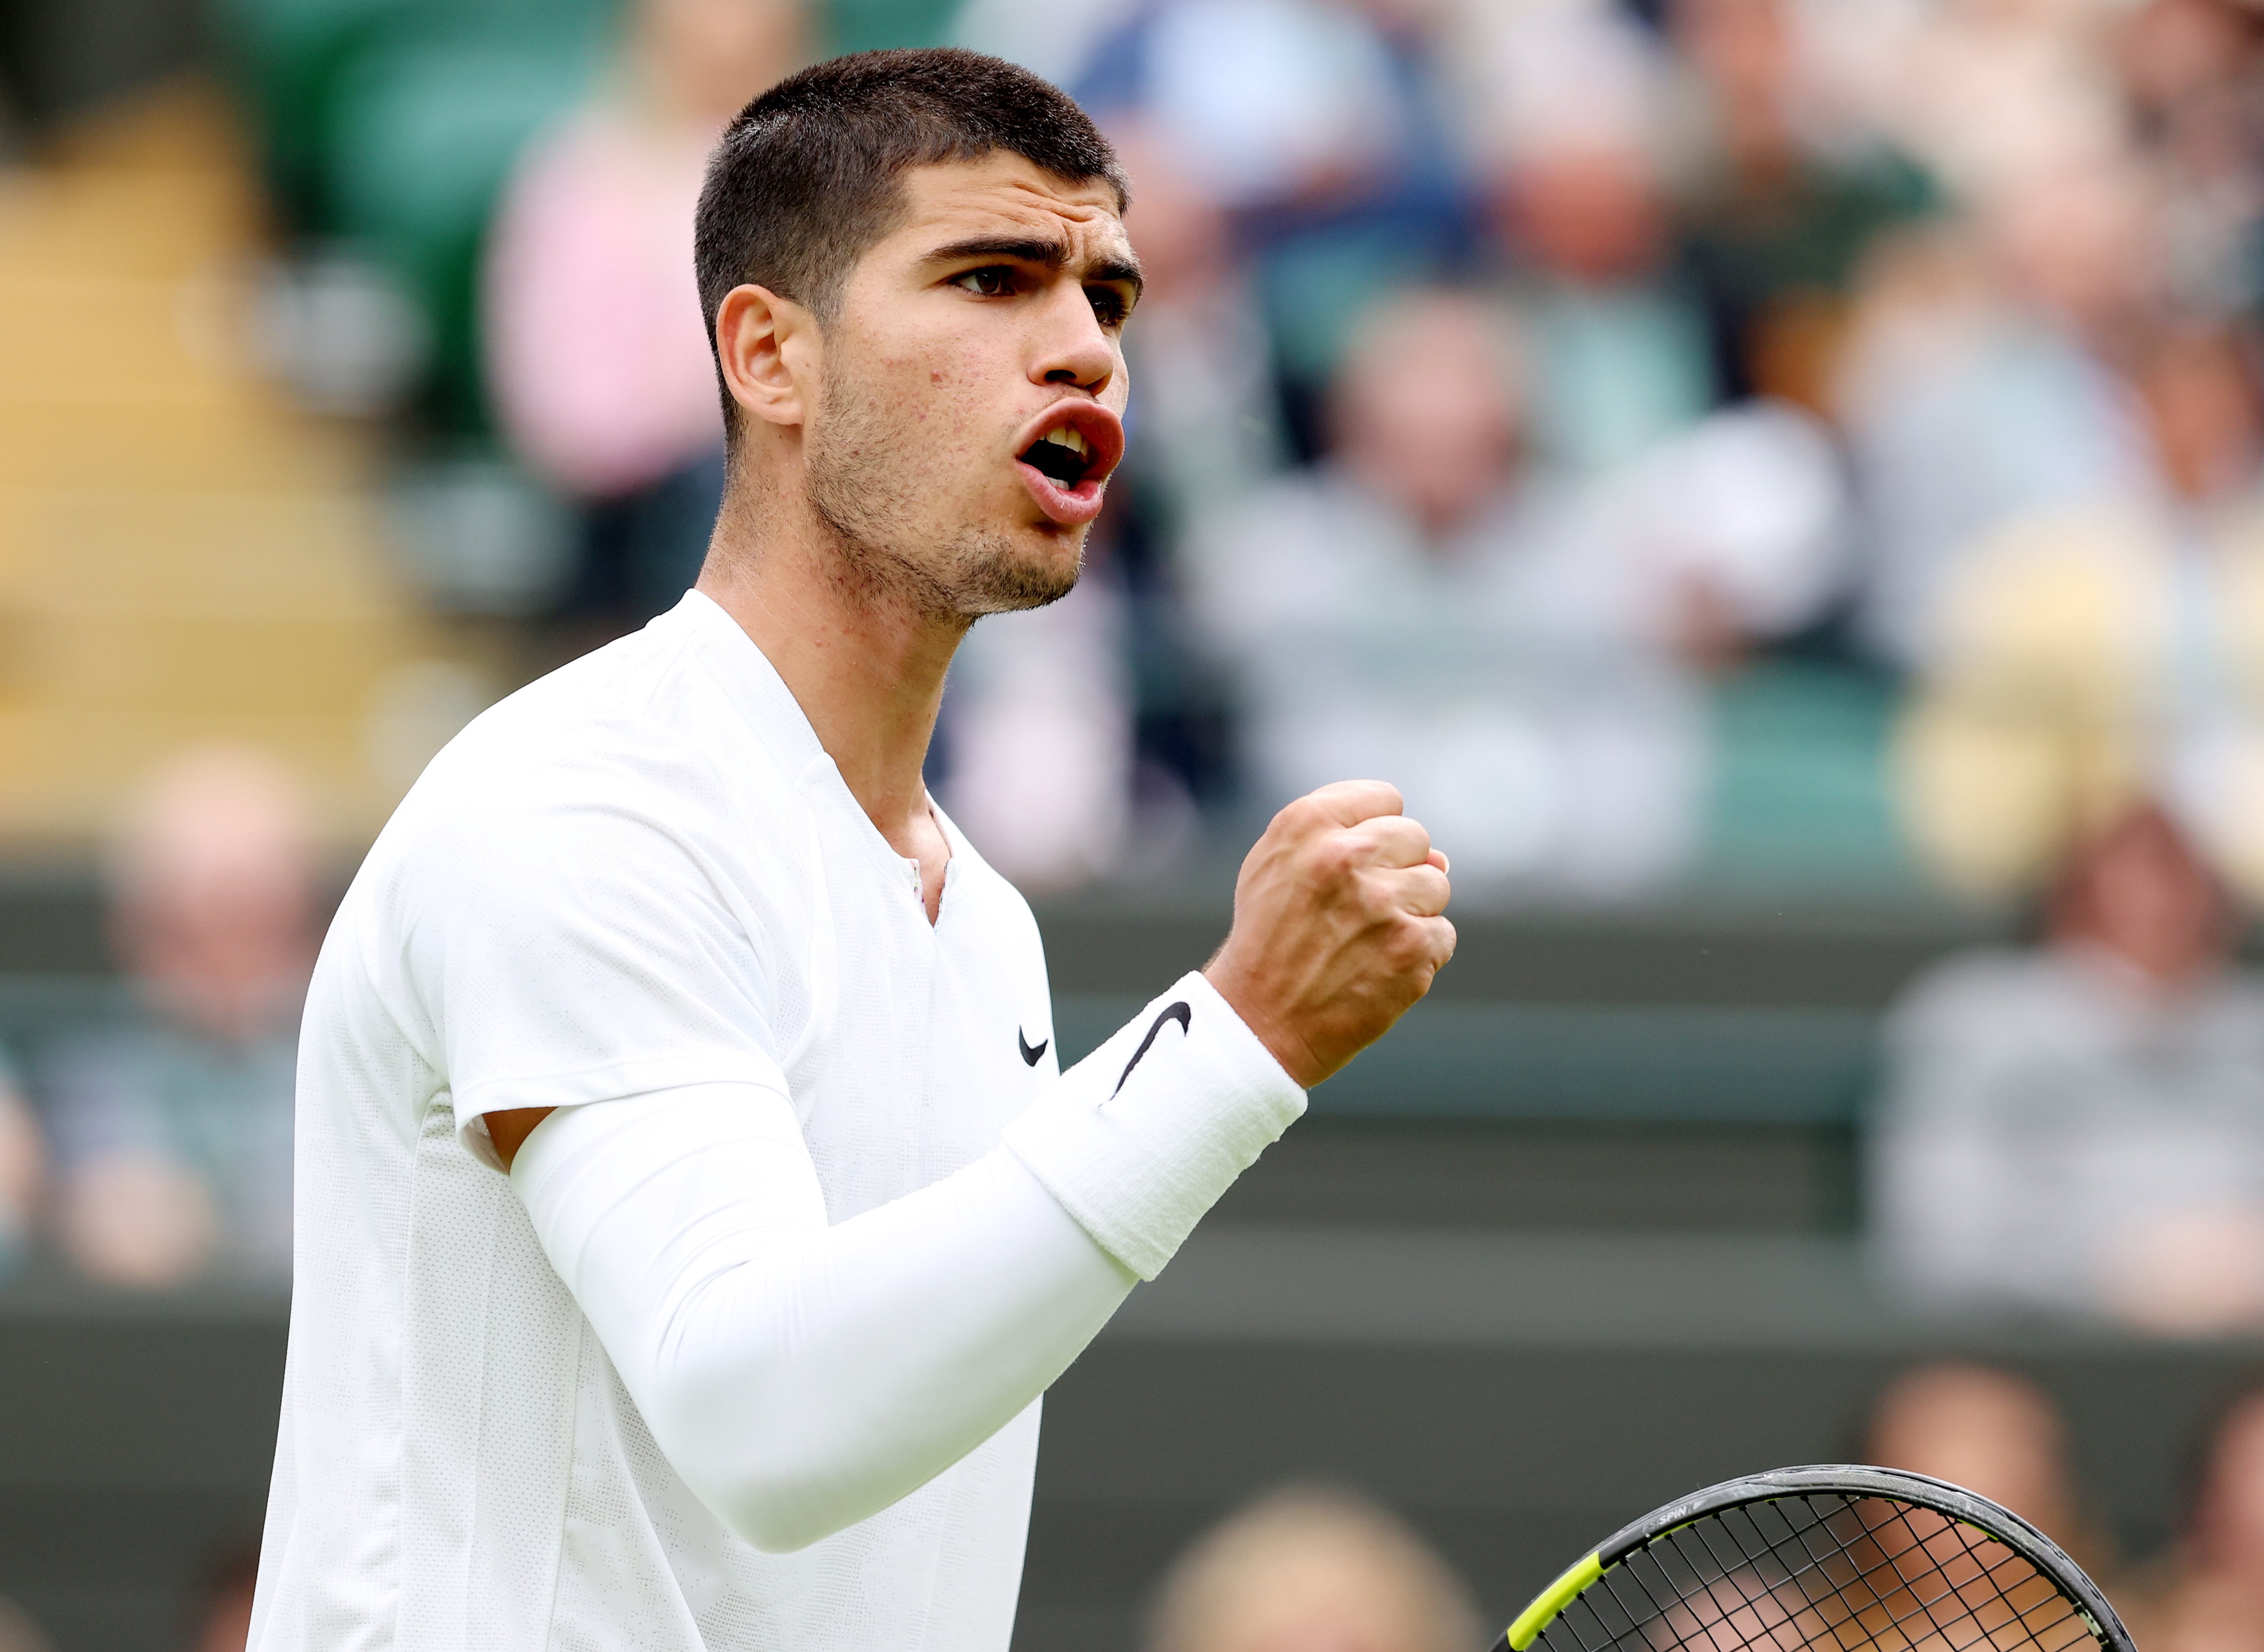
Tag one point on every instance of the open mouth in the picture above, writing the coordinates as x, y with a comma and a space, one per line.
1062, 455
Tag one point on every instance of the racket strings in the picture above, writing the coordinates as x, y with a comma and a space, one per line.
1823, 1573
1976, 1580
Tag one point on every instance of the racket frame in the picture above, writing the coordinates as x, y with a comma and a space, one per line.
1855, 1480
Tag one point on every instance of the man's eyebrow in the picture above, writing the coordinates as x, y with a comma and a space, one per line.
1051, 254
1054, 255
1125, 268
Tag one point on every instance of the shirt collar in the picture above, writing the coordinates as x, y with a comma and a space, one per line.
748, 680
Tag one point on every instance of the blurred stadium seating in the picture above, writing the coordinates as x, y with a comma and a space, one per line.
182, 552
392, 123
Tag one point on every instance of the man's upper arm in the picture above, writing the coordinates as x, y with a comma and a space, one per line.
574, 950
509, 1128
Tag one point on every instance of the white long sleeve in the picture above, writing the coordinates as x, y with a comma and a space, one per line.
802, 1376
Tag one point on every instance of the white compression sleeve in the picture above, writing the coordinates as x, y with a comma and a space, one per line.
1141, 1137
802, 1376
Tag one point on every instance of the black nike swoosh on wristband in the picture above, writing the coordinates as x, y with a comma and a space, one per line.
1175, 1011
1030, 1056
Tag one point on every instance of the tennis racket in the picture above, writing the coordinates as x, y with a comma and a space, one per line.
1830, 1559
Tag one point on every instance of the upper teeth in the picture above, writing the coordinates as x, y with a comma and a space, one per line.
1069, 438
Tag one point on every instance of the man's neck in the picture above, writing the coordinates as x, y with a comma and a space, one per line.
865, 665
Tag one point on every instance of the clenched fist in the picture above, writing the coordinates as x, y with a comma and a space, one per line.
1337, 927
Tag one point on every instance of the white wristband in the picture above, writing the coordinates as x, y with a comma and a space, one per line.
1143, 1136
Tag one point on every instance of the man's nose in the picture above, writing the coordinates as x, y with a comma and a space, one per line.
1075, 350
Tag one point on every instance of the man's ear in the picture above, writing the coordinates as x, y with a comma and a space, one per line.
767, 345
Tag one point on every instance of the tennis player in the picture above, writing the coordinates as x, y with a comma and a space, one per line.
689, 1208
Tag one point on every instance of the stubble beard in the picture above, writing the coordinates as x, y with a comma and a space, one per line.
876, 512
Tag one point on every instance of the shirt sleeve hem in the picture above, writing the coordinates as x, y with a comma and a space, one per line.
613, 1083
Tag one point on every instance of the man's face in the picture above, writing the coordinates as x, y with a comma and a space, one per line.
974, 385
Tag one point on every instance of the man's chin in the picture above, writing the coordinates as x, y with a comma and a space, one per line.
1011, 588
1029, 571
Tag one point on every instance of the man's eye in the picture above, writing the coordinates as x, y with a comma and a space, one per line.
1108, 305
995, 281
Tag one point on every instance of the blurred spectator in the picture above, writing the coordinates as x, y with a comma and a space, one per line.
597, 351
2193, 72
2111, 644
1427, 609
172, 1129
2080, 1129
1994, 92
1323, 127
1991, 1432
1512, 647
2213, 1598
1787, 199
1970, 394
1312, 1571
1568, 108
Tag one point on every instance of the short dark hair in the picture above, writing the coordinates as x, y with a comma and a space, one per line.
807, 177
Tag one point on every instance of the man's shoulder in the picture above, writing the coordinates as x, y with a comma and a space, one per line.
629, 745
555, 743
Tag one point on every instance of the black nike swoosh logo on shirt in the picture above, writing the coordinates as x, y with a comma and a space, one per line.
1030, 1056
1175, 1011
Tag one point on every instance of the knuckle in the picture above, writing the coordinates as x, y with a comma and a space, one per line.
1408, 943
1336, 857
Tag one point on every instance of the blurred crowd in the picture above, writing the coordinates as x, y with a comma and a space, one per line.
146, 1136
1600, 352
1313, 1568
1514, 382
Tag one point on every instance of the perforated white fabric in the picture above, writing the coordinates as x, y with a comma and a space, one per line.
639, 873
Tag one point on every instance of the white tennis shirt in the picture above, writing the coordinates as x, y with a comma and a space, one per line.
640, 873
